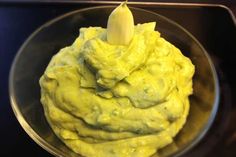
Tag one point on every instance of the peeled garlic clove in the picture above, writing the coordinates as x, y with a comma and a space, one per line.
120, 25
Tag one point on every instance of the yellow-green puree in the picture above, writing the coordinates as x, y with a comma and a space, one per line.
117, 100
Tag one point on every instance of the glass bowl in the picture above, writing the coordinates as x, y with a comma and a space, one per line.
35, 54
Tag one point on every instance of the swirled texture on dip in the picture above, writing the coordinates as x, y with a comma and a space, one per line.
106, 100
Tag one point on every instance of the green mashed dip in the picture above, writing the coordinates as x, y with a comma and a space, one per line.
105, 100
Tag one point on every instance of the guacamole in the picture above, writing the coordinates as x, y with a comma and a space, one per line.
105, 100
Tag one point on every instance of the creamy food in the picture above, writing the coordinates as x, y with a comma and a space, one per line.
107, 100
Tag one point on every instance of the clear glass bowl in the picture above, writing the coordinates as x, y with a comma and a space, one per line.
35, 54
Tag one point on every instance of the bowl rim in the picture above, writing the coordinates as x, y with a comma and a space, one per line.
56, 152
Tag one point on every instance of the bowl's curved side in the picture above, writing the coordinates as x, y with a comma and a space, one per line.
216, 98
27, 128
66, 23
